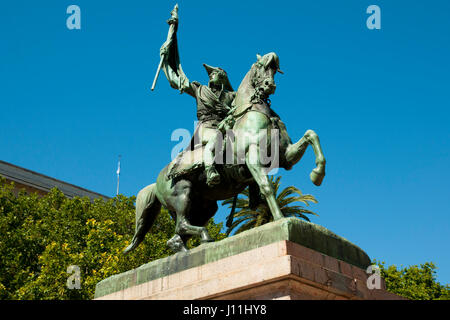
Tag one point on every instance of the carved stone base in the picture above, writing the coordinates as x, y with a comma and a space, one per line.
239, 268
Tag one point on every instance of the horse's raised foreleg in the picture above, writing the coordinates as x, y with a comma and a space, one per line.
294, 153
259, 174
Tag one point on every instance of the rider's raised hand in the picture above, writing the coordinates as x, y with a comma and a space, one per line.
173, 20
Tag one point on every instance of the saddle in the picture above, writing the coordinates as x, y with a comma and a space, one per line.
186, 162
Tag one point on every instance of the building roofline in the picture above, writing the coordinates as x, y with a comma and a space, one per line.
42, 182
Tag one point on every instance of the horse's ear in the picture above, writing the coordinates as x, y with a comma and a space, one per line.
258, 57
271, 59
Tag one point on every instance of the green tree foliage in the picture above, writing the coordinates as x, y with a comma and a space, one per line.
414, 282
40, 237
247, 218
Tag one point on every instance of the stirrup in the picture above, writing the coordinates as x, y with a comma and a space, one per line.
212, 176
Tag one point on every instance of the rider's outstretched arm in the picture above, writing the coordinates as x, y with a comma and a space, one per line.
171, 61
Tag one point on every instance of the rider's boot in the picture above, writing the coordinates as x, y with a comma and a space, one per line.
212, 176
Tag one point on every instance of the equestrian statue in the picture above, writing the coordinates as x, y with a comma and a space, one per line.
229, 151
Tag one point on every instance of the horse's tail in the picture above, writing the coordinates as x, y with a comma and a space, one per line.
147, 209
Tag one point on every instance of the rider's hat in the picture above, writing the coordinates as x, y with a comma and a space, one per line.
227, 84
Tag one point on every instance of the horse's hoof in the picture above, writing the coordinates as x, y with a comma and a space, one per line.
278, 216
317, 176
205, 237
176, 244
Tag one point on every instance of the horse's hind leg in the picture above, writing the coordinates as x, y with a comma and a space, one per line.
177, 244
184, 227
205, 210
183, 232
181, 202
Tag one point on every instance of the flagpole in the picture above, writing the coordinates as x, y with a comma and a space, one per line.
118, 175
172, 29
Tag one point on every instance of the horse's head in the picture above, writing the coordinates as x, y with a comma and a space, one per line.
264, 70
259, 83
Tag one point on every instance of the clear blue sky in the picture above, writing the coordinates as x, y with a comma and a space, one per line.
73, 100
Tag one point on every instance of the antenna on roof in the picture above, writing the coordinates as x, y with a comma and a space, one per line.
118, 175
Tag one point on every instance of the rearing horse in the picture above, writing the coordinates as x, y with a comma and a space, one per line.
187, 197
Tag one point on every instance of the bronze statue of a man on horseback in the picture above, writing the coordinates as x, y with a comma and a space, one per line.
239, 126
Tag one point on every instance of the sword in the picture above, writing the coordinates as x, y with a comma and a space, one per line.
174, 14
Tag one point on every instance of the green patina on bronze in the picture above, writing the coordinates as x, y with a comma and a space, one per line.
190, 186
304, 233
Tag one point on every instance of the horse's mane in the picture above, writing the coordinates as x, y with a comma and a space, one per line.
246, 90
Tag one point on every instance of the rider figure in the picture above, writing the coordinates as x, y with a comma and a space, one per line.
213, 100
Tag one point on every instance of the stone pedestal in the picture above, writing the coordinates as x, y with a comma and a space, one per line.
275, 261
